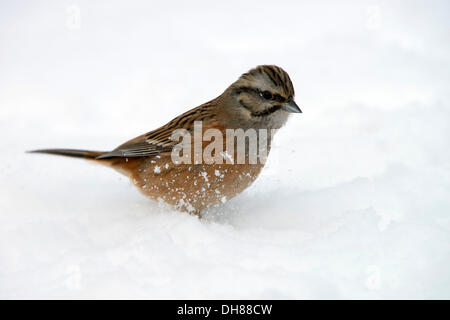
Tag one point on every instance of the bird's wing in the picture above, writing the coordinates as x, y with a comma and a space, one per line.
159, 141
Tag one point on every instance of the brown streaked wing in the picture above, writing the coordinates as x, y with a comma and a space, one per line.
158, 141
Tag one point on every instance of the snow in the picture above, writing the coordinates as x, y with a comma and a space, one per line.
354, 201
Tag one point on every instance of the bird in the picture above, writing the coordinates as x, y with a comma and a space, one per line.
261, 99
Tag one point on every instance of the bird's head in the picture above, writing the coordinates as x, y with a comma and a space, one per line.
264, 97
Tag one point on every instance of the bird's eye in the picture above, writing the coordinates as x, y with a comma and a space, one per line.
267, 95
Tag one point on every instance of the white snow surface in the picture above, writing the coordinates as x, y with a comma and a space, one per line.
354, 202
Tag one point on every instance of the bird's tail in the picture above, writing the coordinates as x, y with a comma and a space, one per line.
85, 154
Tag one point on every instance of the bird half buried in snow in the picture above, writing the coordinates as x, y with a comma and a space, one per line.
255, 106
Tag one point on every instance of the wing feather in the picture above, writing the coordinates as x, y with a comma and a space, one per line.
159, 141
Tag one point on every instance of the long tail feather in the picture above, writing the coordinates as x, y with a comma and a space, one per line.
71, 153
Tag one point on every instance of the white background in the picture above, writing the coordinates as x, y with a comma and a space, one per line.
354, 202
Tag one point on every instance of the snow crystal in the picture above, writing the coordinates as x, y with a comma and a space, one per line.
204, 175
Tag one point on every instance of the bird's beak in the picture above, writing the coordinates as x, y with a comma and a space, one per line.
291, 106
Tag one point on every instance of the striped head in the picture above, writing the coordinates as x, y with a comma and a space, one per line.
264, 96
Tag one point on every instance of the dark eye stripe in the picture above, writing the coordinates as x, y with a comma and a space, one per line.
277, 97
246, 89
